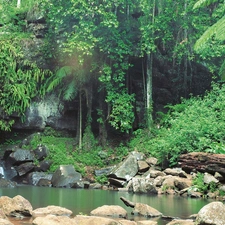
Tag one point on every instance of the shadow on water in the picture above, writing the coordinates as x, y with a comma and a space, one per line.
84, 201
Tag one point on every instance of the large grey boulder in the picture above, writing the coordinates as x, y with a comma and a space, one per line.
4, 183
110, 211
127, 169
65, 176
211, 214
35, 177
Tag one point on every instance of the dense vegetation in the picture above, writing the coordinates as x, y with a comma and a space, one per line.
91, 48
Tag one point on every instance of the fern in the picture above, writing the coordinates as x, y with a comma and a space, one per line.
71, 91
55, 80
222, 71
217, 30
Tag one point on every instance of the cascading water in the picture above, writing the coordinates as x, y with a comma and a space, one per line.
2, 173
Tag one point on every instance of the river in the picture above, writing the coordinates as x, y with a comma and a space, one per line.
83, 200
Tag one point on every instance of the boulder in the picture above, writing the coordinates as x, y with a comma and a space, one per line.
145, 210
65, 176
104, 171
142, 166
41, 152
5, 222
117, 182
175, 172
35, 177
94, 220
20, 156
155, 173
25, 168
51, 210
182, 183
110, 211
208, 178
147, 222
127, 169
152, 161
212, 213
16, 207
143, 185
203, 162
44, 165
127, 222
4, 183
54, 220
181, 222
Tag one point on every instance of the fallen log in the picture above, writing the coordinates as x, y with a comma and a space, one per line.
127, 202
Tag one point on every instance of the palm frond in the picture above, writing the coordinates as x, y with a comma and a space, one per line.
202, 3
71, 91
217, 30
56, 79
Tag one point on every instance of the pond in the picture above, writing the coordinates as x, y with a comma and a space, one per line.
85, 200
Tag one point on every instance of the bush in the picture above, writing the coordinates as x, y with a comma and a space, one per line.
195, 125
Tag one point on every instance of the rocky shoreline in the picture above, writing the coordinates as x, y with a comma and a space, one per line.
18, 210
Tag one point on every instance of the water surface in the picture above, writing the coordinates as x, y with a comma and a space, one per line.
84, 201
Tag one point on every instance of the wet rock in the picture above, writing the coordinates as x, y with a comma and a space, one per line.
65, 176
117, 182
54, 220
212, 213
110, 211
94, 220
16, 207
95, 186
4, 183
127, 169
44, 183
35, 177
143, 185
51, 210
145, 210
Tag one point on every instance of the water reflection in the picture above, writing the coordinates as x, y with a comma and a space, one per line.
83, 201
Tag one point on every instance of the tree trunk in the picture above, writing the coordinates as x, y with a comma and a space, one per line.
18, 3
80, 120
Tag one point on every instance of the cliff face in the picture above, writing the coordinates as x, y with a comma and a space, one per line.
52, 111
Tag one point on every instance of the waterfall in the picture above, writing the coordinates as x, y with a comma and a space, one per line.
2, 173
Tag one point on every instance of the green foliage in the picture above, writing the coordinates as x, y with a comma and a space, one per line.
19, 80
103, 179
198, 182
197, 125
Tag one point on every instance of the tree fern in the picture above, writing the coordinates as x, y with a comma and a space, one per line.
70, 91
217, 31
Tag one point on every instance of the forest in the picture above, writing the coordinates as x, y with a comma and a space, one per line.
142, 74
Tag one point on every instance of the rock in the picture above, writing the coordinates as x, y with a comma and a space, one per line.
33, 137
145, 210
152, 161
142, 166
158, 181
24, 168
54, 220
147, 222
95, 186
175, 172
65, 176
203, 162
4, 183
208, 178
44, 183
138, 155
110, 211
143, 185
155, 173
127, 222
169, 182
41, 152
16, 207
127, 169
117, 182
20, 156
104, 171
182, 183
94, 220
5, 222
35, 177
51, 210
181, 222
218, 176
212, 213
